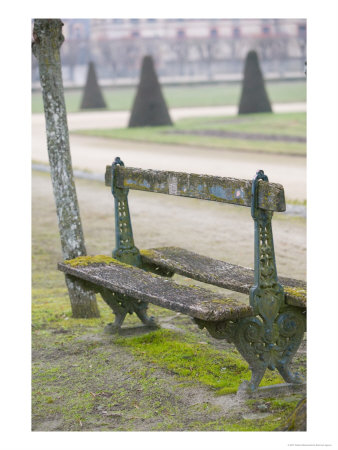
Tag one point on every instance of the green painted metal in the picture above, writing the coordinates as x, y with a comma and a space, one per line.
267, 294
125, 250
123, 305
272, 347
271, 337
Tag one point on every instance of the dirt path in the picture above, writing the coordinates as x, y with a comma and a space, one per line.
117, 119
93, 154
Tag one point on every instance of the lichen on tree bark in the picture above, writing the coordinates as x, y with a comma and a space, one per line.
48, 38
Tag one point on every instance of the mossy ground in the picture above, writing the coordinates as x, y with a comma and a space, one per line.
85, 380
185, 356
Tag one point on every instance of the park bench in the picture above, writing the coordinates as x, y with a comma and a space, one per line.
267, 331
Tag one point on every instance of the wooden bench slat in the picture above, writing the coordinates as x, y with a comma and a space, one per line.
205, 187
138, 284
218, 273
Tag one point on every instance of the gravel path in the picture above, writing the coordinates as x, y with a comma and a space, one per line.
92, 154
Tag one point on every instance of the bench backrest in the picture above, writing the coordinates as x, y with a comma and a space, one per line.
206, 187
267, 294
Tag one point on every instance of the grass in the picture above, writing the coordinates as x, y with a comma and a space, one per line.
290, 124
185, 357
279, 408
121, 98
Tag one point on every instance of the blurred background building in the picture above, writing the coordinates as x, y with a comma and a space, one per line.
184, 50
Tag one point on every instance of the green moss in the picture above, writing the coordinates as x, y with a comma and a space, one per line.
223, 301
295, 292
282, 404
295, 296
101, 259
52, 310
279, 404
266, 424
148, 253
233, 423
184, 356
152, 255
88, 260
136, 186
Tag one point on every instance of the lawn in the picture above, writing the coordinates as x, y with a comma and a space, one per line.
271, 133
121, 98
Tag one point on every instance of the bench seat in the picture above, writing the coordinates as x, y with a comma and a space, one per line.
141, 285
218, 273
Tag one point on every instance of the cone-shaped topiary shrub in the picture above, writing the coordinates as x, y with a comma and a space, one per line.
254, 98
149, 107
92, 95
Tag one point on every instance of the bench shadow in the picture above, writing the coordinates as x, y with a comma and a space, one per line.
136, 331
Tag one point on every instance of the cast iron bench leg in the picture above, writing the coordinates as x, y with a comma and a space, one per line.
292, 326
117, 304
141, 312
265, 347
121, 306
261, 348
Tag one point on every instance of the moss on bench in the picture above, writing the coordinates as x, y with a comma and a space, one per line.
297, 295
138, 284
216, 272
89, 259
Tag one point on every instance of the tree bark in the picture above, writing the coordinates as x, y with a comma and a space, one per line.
297, 420
48, 38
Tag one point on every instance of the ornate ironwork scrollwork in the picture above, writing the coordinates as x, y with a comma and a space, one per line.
291, 325
264, 347
123, 305
125, 250
218, 330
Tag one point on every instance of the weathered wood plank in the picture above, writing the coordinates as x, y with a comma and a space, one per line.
205, 187
218, 273
138, 284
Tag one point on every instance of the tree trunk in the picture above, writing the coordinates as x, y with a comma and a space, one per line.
48, 38
297, 420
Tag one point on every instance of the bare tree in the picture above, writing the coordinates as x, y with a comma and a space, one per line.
48, 38
70, 57
208, 50
181, 49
